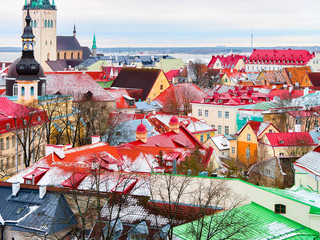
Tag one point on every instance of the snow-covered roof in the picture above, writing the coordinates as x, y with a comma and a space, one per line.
221, 142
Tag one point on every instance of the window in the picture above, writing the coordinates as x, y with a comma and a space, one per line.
208, 136
1, 164
8, 126
206, 113
58, 56
281, 154
35, 23
201, 138
199, 112
161, 87
65, 55
169, 163
226, 114
43, 89
13, 143
219, 114
233, 150
219, 129
15, 89
270, 130
268, 172
226, 130
7, 142
52, 23
316, 123
71, 55
46, 42
78, 55
279, 208
45, 23
248, 137
32, 91
247, 152
137, 237
1, 144
13, 161
22, 91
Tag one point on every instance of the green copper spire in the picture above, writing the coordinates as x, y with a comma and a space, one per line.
53, 3
40, 4
94, 45
25, 3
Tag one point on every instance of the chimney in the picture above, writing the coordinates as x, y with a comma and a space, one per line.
42, 191
49, 149
15, 188
290, 130
174, 81
95, 139
3, 66
190, 80
59, 151
32, 181
67, 146
305, 91
290, 89
149, 100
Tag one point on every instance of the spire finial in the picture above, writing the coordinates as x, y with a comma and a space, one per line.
53, 4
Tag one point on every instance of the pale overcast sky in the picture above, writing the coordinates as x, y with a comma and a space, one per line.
177, 23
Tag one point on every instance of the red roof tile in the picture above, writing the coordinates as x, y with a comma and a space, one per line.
229, 61
280, 57
172, 73
290, 139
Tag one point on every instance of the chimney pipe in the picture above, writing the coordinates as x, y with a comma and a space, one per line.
3, 66
95, 139
42, 191
32, 179
49, 149
59, 151
15, 188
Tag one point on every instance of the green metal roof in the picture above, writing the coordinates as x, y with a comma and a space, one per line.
264, 106
301, 194
40, 4
262, 224
94, 46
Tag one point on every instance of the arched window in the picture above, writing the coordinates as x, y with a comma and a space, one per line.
58, 56
78, 55
35, 23
15, 89
32, 91
48, 56
43, 89
32, 23
22, 91
45, 23
71, 55
65, 55
52, 23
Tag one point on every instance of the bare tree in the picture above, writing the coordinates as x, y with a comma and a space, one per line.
210, 198
197, 70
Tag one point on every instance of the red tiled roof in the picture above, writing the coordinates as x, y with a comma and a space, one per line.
314, 78
257, 127
286, 94
238, 96
172, 73
14, 114
229, 61
2, 91
76, 85
119, 95
177, 94
290, 139
280, 57
302, 113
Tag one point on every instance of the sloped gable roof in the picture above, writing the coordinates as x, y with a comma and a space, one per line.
68, 43
137, 78
314, 78
290, 139
76, 85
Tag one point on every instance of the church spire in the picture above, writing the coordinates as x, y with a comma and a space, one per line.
28, 65
94, 46
74, 30
53, 4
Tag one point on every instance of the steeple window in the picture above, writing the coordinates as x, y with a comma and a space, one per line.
35, 23
51, 23
15, 89
45, 23
32, 91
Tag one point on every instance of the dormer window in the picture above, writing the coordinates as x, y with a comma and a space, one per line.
281, 142
280, 209
220, 101
8, 126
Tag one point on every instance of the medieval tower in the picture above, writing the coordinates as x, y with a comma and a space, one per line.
43, 22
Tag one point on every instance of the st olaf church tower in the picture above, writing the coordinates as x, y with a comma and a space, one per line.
43, 22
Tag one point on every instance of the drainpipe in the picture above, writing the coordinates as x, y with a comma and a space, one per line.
2, 232
316, 178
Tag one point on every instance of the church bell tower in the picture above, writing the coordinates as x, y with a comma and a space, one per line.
43, 22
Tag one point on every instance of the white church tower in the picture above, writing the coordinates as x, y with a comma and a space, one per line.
44, 25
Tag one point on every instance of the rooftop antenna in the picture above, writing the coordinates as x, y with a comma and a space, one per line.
251, 37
